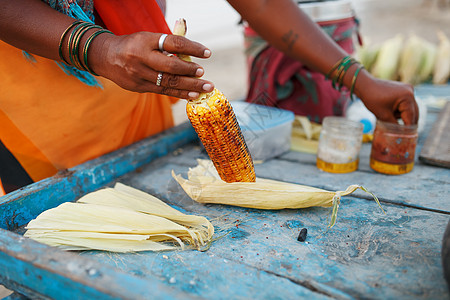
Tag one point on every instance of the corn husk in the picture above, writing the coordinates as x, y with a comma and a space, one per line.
441, 72
387, 62
411, 60
428, 61
205, 186
119, 219
367, 55
305, 135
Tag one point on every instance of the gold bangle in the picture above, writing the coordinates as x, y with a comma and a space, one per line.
63, 35
76, 45
70, 43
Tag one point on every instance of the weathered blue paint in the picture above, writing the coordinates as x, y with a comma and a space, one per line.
39, 270
356, 256
366, 255
19, 207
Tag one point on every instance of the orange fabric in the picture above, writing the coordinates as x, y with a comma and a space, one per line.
2, 191
125, 17
26, 152
51, 121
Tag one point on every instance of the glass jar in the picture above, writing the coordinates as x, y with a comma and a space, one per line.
339, 145
393, 148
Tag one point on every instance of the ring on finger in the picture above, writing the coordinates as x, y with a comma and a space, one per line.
159, 79
162, 38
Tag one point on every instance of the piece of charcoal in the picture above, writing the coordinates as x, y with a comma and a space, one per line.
302, 235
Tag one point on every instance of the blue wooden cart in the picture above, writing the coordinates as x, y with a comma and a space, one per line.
365, 255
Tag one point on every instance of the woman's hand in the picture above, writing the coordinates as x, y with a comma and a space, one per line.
134, 62
388, 100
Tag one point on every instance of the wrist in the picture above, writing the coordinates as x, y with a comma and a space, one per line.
98, 51
362, 82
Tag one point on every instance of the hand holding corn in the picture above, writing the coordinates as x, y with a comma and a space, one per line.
213, 119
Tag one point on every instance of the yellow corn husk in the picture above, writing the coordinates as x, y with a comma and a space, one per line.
305, 135
386, 64
120, 219
204, 185
367, 55
441, 72
411, 60
216, 125
428, 61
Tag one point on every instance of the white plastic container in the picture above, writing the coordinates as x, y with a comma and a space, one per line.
325, 11
267, 130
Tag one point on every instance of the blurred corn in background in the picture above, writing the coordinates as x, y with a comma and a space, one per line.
410, 59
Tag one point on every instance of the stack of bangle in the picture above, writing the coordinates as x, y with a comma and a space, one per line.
338, 71
74, 41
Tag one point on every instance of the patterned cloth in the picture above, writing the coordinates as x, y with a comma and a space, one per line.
278, 80
68, 7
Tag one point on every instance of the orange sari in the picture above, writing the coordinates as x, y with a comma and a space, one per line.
51, 121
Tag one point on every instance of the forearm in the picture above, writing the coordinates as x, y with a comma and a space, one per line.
33, 26
289, 29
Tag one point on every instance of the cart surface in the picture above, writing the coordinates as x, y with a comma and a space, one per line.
365, 255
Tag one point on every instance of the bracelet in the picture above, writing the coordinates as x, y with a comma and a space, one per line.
341, 61
338, 71
63, 35
355, 75
342, 72
70, 43
86, 47
76, 45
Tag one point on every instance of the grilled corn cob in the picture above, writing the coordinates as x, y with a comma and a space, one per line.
215, 123
214, 120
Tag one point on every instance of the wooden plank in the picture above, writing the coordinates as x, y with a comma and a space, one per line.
19, 207
366, 253
436, 150
37, 270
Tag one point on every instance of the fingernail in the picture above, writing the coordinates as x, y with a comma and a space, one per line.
207, 87
193, 94
207, 53
199, 72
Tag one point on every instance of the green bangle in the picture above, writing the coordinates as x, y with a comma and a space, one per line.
70, 43
355, 75
77, 40
86, 48
336, 65
340, 78
342, 68
62, 39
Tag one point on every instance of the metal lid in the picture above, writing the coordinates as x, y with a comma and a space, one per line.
327, 10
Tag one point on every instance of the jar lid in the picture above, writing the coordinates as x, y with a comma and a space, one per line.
327, 10
256, 117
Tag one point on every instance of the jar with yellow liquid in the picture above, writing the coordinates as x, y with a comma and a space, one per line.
339, 145
393, 148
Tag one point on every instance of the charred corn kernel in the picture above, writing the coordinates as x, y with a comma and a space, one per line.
215, 123
214, 120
